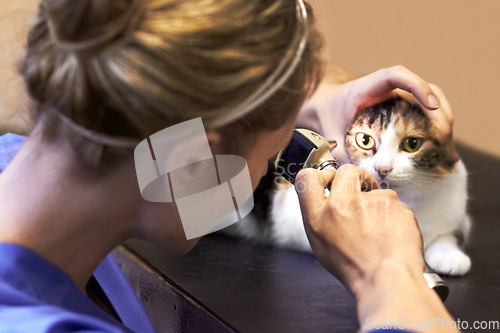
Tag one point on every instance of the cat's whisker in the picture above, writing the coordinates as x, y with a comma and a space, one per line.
409, 183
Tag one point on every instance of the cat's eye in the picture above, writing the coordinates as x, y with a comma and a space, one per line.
364, 141
412, 144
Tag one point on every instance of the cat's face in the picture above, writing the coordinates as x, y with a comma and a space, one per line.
394, 141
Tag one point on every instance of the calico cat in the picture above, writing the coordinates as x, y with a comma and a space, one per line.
395, 142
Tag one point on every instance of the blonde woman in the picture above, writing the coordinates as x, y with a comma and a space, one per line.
105, 74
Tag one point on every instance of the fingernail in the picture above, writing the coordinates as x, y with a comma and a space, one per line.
431, 99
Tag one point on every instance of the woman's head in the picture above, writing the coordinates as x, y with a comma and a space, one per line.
129, 68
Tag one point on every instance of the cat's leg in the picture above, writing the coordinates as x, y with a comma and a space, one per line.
445, 256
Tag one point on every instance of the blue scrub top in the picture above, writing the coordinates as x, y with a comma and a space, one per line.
36, 296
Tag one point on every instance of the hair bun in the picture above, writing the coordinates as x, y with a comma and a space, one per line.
105, 22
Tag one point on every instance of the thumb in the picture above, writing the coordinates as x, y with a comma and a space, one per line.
310, 187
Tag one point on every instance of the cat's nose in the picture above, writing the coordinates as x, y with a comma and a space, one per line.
383, 172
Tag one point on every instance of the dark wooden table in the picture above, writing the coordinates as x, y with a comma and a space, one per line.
229, 285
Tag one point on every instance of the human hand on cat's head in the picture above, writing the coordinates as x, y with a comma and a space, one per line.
442, 120
359, 231
337, 105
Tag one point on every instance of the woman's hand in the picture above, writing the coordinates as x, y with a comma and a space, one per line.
371, 242
332, 108
354, 233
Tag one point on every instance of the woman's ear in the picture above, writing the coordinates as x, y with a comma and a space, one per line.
215, 142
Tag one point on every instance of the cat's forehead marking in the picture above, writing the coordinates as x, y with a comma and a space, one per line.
411, 119
373, 118
389, 139
408, 127
408, 119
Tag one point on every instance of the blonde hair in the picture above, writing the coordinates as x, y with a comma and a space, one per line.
128, 68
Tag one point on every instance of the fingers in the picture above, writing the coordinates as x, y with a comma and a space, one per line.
441, 118
352, 179
401, 82
398, 81
385, 84
380, 86
407, 96
445, 104
310, 186
402, 78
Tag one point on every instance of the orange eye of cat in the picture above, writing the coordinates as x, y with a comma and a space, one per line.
364, 141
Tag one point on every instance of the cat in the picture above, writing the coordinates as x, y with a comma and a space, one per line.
395, 142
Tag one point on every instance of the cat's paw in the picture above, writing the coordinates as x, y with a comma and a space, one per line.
447, 261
